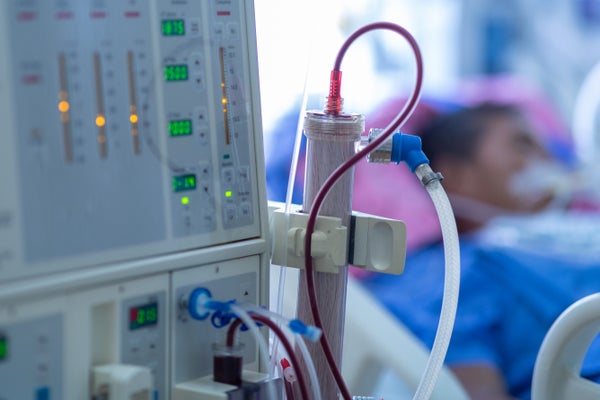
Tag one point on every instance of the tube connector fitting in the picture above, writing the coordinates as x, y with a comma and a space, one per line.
427, 175
400, 147
312, 333
334, 102
200, 304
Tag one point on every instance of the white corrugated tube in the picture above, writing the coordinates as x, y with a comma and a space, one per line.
431, 181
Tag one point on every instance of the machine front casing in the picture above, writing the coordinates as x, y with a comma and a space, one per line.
131, 170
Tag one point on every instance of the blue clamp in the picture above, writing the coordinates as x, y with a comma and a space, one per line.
221, 318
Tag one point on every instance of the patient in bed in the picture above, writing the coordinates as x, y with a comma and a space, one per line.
516, 276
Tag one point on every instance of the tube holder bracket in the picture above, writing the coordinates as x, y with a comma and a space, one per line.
329, 241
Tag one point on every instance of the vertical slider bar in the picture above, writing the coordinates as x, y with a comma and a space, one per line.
64, 106
133, 116
224, 93
100, 117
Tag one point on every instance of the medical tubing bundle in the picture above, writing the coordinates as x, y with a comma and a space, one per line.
200, 305
332, 107
260, 339
286, 344
431, 181
312, 336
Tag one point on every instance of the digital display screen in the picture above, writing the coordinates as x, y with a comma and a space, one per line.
3, 348
174, 73
182, 127
184, 182
173, 27
142, 316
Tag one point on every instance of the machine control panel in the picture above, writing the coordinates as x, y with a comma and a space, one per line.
31, 353
131, 168
129, 126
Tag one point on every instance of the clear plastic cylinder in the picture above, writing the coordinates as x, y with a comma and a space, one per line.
331, 140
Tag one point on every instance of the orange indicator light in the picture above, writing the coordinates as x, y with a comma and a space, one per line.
63, 106
133, 118
100, 121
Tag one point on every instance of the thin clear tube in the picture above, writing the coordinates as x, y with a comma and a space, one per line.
289, 195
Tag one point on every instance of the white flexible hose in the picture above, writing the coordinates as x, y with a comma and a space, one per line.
451, 282
262, 344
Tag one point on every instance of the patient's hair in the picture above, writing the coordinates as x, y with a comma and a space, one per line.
456, 135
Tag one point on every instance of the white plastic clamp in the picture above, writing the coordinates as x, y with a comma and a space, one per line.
329, 241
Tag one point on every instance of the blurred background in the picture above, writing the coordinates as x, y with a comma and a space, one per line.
540, 48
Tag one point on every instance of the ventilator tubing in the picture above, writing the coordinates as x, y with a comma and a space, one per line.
451, 282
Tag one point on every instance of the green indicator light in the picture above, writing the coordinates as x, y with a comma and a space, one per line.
3, 348
173, 27
181, 127
184, 182
174, 73
185, 200
142, 316
228, 193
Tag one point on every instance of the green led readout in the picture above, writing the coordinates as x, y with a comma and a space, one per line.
182, 127
174, 73
141, 316
173, 27
3, 348
184, 182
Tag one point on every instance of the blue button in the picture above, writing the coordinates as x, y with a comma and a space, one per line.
42, 393
156, 394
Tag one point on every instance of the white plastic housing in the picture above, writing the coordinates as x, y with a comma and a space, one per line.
379, 244
123, 382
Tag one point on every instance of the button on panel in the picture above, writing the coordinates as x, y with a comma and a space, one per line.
228, 176
244, 174
229, 213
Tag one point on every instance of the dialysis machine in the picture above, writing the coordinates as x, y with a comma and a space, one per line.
131, 173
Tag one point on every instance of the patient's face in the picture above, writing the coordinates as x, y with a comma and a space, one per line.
506, 150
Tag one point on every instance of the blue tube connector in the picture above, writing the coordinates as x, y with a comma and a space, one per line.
400, 147
407, 148
200, 304
312, 333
